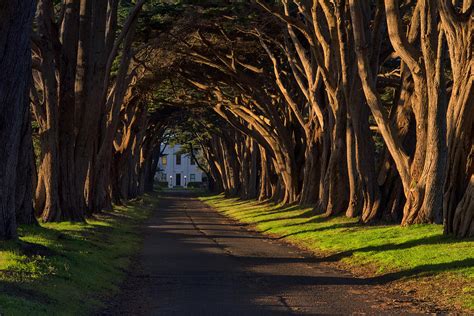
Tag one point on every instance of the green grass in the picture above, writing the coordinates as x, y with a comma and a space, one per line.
70, 268
386, 252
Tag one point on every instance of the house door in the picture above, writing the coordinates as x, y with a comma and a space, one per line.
178, 179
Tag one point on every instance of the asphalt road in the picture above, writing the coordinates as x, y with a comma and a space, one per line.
194, 261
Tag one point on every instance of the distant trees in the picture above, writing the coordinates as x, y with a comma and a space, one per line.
362, 108
15, 133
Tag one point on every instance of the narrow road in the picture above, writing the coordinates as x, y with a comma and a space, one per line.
194, 261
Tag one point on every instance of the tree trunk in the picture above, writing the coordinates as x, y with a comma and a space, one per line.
265, 190
458, 207
463, 218
428, 169
70, 199
25, 174
310, 186
153, 168
423, 174
57, 197
335, 194
254, 152
15, 65
47, 191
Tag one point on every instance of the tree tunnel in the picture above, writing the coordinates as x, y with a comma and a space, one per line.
361, 109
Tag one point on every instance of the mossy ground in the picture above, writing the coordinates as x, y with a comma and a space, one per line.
418, 257
70, 268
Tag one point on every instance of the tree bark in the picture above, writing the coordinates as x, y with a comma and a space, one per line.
422, 175
25, 174
15, 63
458, 208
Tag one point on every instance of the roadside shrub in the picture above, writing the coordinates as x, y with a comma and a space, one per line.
162, 184
195, 185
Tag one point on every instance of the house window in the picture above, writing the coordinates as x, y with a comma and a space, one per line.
192, 177
163, 177
193, 162
178, 159
164, 160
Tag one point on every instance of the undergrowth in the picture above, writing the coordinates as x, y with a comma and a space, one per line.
70, 268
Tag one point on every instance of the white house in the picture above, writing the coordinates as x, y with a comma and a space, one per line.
178, 169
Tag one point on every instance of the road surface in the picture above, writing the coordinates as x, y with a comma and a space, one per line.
194, 261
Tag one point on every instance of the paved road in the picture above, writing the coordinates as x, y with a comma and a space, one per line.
194, 261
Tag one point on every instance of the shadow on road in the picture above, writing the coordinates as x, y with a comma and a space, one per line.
196, 262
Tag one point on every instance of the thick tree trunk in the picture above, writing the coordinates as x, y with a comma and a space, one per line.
458, 207
70, 199
114, 176
91, 106
153, 168
423, 175
428, 170
244, 172
265, 190
355, 205
25, 174
365, 193
47, 193
335, 196
401, 116
57, 197
217, 186
122, 93
310, 186
15, 63
462, 224
231, 165
254, 152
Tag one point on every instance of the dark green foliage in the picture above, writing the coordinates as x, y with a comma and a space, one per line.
162, 184
195, 185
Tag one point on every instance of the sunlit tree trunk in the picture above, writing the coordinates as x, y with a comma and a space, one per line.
459, 188
423, 175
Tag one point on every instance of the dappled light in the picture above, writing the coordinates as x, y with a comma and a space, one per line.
199, 157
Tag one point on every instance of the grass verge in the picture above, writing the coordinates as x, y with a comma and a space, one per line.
418, 259
70, 268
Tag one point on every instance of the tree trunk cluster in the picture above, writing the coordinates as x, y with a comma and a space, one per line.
75, 63
362, 108
136, 153
232, 159
78, 95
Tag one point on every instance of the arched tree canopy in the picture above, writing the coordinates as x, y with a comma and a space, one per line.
358, 108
